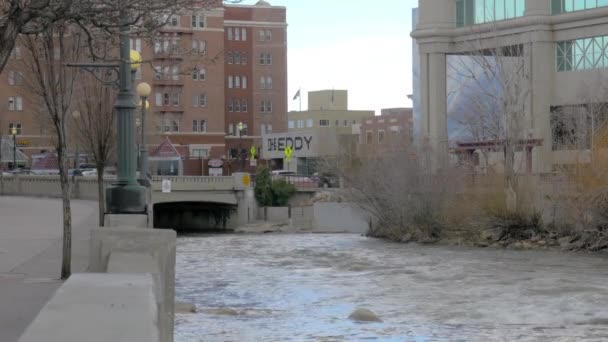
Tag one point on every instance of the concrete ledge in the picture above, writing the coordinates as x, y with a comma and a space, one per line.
98, 308
136, 250
126, 220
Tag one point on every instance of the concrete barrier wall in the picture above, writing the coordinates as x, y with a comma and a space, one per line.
99, 308
274, 214
340, 217
137, 250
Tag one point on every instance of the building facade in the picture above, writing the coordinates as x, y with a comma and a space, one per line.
391, 132
206, 69
562, 43
321, 131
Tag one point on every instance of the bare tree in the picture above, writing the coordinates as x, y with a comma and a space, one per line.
495, 78
53, 85
96, 17
94, 128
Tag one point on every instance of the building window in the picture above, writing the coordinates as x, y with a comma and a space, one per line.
244, 106
174, 72
262, 34
159, 99
324, 123
380, 137
262, 82
300, 123
199, 46
345, 123
237, 105
237, 58
167, 99
231, 105
369, 137
268, 106
230, 129
582, 54
337, 123
136, 44
200, 153
269, 128
230, 58
309, 123
230, 82
198, 21
263, 129
268, 35
202, 74
15, 77
17, 126
565, 6
175, 125
291, 124
244, 82
237, 33
268, 82
200, 100
173, 21
15, 103
268, 59
237, 81
244, 34
194, 74
199, 126
262, 58
262, 106
230, 34
138, 74
176, 99
470, 12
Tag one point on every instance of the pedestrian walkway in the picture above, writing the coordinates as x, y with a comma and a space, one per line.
30, 256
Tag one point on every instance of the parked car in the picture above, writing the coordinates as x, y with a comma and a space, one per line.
293, 178
326, 180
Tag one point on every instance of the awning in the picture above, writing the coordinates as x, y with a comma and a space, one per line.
7, 152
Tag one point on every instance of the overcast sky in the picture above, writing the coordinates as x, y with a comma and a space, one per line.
362, 46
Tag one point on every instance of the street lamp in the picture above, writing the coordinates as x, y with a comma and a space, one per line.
126, 196
240, 126
14, 134
76, 116
143, 91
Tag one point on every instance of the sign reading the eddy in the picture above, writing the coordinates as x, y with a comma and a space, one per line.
301, 145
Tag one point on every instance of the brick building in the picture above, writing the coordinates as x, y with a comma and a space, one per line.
392, 131
209, 70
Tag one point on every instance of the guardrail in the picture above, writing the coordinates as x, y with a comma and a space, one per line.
184, 183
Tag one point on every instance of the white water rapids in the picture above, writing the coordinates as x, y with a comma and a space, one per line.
265, 288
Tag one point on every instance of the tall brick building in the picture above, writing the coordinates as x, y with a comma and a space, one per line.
209, 70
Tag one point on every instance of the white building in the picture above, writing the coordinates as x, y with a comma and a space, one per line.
565, 47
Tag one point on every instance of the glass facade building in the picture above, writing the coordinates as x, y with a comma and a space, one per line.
565, 6
471, 12
582, 54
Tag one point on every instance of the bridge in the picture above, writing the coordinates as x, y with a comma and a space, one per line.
187, 204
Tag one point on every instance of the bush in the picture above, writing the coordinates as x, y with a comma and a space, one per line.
263, 187
282, 192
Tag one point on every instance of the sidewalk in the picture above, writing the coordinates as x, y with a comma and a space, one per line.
30, 255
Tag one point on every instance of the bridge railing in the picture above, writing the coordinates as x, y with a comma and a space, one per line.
185, 183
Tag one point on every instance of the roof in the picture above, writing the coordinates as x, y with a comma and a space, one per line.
166, 150
6, 146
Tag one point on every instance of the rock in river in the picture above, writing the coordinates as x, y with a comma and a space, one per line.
364, 315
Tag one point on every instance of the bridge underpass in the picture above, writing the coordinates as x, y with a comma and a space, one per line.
190, 217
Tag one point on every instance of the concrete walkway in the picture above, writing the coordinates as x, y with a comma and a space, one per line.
30, 256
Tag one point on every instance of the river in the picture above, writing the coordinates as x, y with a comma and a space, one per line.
266, 288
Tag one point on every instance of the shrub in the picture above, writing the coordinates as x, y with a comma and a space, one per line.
281, 192
263, 187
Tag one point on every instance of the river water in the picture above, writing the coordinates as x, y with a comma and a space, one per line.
265, 288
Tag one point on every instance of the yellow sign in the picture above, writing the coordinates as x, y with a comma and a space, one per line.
246, 180
288, 153
253, 152
135, 60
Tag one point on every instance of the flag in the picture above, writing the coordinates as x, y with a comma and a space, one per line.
296, 95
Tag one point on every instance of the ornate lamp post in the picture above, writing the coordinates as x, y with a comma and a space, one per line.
143, 91
126, 196
14, 134
76, 116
